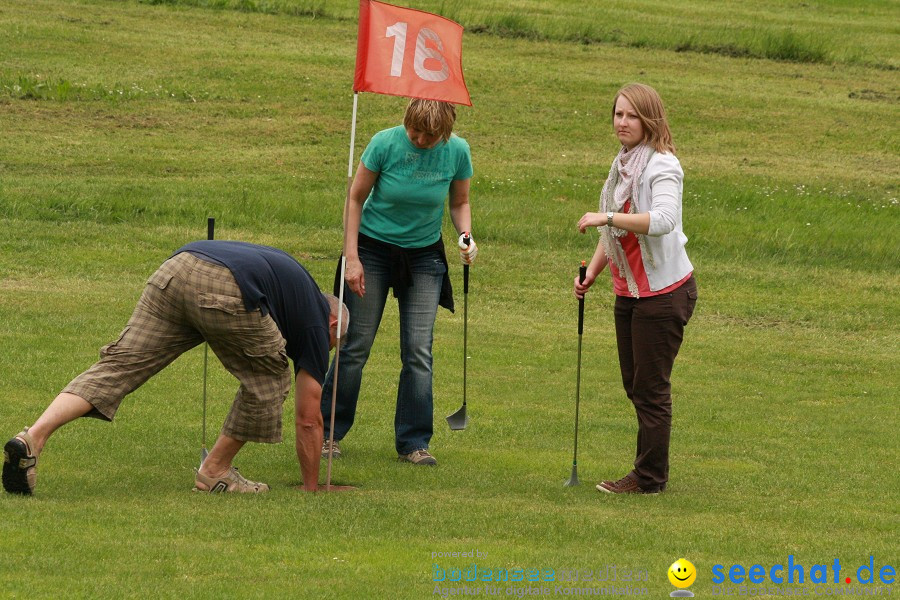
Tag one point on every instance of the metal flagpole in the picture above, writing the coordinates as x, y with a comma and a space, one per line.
337, 355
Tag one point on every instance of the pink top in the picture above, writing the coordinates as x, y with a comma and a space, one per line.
632, 249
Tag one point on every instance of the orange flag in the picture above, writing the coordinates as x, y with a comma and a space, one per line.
408, 52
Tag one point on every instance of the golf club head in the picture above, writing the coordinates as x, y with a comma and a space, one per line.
573, 479
203, 454
458, 420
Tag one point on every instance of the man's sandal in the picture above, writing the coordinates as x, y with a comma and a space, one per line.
231, 481
20, 464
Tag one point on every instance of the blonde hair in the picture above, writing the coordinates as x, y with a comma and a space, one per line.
651, 112
333, 304
431, 116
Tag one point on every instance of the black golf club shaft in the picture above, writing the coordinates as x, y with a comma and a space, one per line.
210, 234
582, 273
466, 241
459, 419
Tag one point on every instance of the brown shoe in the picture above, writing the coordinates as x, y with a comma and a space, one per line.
419, 457
231, 481
20, 464
335, 449
662, 488
626, 485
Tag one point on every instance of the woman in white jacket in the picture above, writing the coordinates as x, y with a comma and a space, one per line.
641, 239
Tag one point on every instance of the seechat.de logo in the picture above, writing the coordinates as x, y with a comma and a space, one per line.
794, 572
682, 574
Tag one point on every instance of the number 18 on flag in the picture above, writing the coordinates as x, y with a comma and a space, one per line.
408, 52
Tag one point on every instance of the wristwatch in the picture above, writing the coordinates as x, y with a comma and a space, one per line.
609, 217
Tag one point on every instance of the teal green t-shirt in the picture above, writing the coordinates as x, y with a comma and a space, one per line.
406, 205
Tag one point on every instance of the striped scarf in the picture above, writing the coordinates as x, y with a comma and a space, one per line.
623, 183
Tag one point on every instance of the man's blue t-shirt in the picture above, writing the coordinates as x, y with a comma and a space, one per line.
406, 205
272, 281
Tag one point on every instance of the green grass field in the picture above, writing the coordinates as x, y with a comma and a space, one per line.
125, 124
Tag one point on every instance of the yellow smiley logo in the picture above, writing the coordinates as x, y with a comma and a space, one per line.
682, 573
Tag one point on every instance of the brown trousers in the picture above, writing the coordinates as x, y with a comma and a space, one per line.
649, 332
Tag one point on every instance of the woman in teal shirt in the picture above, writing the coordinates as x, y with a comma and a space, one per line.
393, 240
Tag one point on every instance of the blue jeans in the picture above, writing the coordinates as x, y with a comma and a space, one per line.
414, 417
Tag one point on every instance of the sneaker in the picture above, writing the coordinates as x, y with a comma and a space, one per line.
662, 488
19, 464
419, 457
336, 453
231, 481
626, 485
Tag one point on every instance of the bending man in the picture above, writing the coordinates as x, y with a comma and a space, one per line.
256, 307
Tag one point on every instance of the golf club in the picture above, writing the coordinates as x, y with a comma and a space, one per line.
210, 234
573, 479
337, 363
459, 419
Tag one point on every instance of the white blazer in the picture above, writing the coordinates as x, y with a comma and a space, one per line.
660, 195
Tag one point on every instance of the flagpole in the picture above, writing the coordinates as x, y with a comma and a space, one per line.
337, 355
